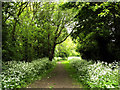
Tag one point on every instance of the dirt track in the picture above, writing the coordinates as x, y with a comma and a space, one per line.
58, 78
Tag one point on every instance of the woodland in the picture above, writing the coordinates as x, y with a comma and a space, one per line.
36, 35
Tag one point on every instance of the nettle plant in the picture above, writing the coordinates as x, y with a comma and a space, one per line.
98, 74
17, 74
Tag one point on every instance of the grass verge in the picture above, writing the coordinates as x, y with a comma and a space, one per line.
72, 73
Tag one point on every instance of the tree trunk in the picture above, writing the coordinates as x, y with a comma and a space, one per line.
13, 33
52, 52
48, 45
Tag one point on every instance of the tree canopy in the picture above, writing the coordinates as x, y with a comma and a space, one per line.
34, 29
97, 29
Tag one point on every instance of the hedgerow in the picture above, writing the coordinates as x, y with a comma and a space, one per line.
96, 74
17, 74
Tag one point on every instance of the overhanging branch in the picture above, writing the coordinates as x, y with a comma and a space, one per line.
58, 26
65, 37
21, 9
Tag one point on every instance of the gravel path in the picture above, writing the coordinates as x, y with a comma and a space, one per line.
58, 78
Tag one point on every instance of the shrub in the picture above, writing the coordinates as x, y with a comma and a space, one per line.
17, 74
98, 74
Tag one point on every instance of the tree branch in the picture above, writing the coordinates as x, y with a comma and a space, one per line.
21, 9
60, 32
57, 29
65, 38
14, 26
58, 25
6, 18
60, 29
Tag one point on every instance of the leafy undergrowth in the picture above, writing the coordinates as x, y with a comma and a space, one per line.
18, 74
94, 74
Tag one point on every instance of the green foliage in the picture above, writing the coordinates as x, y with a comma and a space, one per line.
66, 49
97, 29
18, 74
32, 29
38, 29
96, 74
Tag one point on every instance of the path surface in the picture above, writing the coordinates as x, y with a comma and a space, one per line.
58, 78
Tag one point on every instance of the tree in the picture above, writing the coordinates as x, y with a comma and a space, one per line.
17, 33
10, 17
54, 21
96, 29
32, 30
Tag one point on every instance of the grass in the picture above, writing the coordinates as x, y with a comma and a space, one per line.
68, 68
72, 73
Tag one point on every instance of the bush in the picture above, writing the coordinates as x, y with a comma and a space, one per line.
17, 74
96, 74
